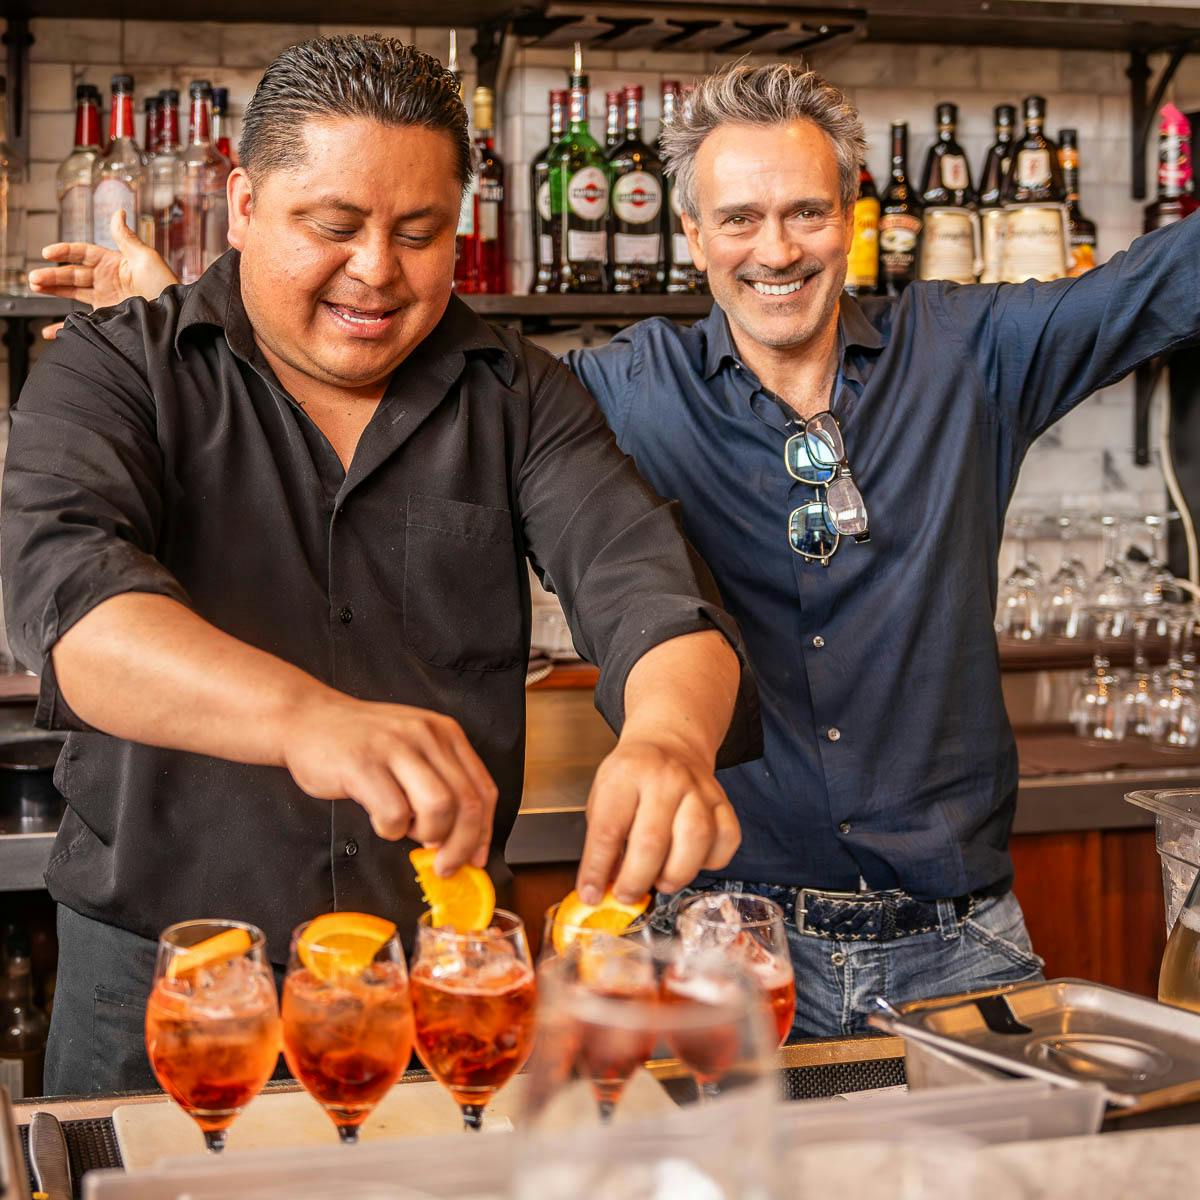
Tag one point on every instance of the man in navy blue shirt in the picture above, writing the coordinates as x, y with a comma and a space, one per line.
880, 814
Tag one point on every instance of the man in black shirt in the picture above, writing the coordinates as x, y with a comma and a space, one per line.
280, 519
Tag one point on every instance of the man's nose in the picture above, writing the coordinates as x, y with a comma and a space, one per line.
775, 247
373, 261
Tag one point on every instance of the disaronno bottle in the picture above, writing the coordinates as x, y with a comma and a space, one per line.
950, 238
862, 269
992, 217
1036, 244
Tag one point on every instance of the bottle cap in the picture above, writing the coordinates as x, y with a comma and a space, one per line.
1035, 107
947, 113
612, 99
1068, 139
220, 98
1004, 114
559, 96
632, 91
122, 84
83, 91
170, 95
199, 89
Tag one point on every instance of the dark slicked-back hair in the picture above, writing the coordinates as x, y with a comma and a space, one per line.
379, 78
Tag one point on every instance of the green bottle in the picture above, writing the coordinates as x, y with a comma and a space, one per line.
579, 192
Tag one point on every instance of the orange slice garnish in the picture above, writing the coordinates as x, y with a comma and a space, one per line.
221, 947
609, 916
463, 901
342, 943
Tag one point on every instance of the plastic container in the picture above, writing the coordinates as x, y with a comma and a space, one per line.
1177, 835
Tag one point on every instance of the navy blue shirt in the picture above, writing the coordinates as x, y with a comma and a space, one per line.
889, 754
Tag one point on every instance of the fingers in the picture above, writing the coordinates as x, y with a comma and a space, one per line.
692, 836
650, 840
50, 332
728, 839
488, 793
473, 795
87, 253
385, 802
55, 278
432, 800
123, 237
611, 809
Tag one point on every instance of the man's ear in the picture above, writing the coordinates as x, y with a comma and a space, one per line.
240, 195
692, 230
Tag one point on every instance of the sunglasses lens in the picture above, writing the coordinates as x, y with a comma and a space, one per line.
824, 440
801, 465
809, 532
847, 512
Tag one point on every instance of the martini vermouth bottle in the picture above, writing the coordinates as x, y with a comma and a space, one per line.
635, 225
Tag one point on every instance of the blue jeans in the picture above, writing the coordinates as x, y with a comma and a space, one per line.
837, 981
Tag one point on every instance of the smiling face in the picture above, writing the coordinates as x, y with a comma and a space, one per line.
772, 233
347, 256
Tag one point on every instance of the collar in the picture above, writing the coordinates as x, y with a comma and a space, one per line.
854, 331
215, 299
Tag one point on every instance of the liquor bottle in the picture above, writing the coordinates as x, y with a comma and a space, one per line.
683, 276
612, 121
545, 268
220, 125
950, 234
152, 137
491, 260
899, 221
464, 235
991, 182
1174, 200
1082, 232
164, 182
1036, 243
23, 1026
635, 224
579, 188
862, 266
202, 176
120, 176
946, 179
75, 176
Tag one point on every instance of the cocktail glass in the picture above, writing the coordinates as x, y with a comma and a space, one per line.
347, 1027
749, 930
474, 996
212, 1021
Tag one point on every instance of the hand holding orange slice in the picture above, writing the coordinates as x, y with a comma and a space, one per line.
463, 901
221, 947
342, 943
609, 916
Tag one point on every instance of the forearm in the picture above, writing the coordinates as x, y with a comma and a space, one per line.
146, 668
684, 689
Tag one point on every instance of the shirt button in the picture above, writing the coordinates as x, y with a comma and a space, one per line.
347, 614
834, 734
818, 642
351, 848
837, 958
844, 827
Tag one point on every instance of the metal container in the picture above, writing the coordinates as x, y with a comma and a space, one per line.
27, 788
1145, 1055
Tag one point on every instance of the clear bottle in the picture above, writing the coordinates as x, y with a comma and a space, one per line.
220, 123
76, 172
1082, 231
12, 209
899, 221
683, 276
491, 215
150, 143
120, 175
991, 184
165, 181
579, 191
545, 269
635, 222
202, 176
23, 1026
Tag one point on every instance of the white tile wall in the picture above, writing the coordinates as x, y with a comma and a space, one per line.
1085, 89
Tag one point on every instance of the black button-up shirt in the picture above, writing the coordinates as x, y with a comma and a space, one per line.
154, 450
888, 751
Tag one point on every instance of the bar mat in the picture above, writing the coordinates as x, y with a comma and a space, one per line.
818, 1082
91, 1144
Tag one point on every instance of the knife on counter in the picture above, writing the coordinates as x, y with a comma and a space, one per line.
48, 1156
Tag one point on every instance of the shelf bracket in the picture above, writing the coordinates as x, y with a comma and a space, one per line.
1144, 107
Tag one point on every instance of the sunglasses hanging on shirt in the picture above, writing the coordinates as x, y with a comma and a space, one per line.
817, 456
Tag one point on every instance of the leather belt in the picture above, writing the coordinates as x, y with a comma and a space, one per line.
871, 916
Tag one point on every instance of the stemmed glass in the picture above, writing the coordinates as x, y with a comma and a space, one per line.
1097, 711
1175, 721
1138, 694
1019, 612
1063, 612
750, 930
1111, 589
212, 1021
1157, 583
347, 1020
474, 996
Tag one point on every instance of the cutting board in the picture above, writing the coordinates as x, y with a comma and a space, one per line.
147, 1133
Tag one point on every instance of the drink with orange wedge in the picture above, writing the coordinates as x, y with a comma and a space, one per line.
212, 1021
473, 987
347, 1014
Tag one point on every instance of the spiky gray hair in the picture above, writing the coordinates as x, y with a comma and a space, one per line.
778, 94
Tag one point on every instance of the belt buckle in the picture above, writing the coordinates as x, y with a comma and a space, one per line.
801, 909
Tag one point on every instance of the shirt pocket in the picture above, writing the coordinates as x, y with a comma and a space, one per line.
462, 585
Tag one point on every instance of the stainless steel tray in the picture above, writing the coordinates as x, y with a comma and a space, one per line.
1066, 1031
